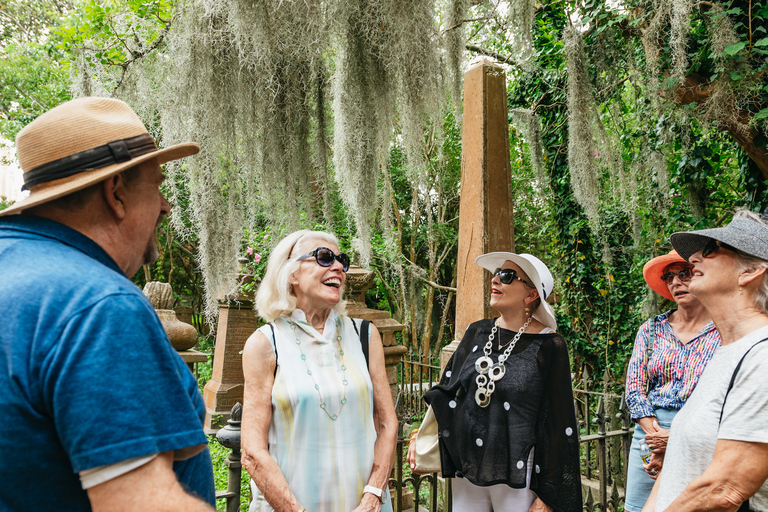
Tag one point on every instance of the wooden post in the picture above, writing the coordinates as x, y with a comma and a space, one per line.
485, 216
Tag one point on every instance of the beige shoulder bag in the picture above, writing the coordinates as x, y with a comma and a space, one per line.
427, 447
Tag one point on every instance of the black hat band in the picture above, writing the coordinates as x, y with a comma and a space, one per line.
114, 152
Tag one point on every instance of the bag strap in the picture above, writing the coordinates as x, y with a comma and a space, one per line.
363, 334
733, 379
274, 346
745, 505
364, 339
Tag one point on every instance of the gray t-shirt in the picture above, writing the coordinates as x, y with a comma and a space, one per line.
745, 417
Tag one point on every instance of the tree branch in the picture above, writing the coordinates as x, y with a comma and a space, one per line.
616, 84
697, 89
460, 23
438, 286
490, 53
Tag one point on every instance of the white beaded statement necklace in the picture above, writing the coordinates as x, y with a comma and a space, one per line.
486, 368
344, 382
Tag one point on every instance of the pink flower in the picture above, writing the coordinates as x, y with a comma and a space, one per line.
266, 236
249, 250
596, 154
257, 257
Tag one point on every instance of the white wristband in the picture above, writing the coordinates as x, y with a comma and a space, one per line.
375, 491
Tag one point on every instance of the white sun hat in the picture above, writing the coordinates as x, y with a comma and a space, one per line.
536, 271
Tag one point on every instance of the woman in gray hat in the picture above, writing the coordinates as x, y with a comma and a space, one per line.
670, 353
717, 456
504, 407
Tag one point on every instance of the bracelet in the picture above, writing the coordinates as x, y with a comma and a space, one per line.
412, 435
376, 492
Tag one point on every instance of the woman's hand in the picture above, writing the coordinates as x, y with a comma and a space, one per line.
369, 503
657, 441
539, 506
653, 468
648, 424
411, 457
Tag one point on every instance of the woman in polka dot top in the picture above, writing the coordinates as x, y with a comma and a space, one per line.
504, 405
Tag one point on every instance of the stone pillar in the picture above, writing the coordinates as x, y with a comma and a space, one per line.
237, 321
485, 215
358, 282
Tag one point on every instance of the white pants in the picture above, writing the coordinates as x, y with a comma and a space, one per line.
468, 497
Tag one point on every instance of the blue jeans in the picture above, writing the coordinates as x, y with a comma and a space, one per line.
639, 484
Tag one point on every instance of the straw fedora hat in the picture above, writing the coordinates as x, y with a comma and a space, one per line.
83, 142
653, 269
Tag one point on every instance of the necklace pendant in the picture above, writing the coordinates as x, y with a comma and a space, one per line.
482, 397
497, 371
483, 364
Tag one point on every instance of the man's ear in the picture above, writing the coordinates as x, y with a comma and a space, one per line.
114, 191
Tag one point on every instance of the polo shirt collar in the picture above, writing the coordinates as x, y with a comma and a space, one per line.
41, 227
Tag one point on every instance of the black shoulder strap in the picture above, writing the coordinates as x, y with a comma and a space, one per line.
745, 505
733, 378
364, 339
274, 345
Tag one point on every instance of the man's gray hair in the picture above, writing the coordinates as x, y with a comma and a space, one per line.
275, 296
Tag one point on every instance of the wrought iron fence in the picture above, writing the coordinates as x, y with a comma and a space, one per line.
605, 437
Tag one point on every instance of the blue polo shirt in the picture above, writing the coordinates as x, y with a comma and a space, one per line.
87, 374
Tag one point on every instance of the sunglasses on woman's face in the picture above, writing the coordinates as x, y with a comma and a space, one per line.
507, 275
683, 275
713, 246
325, 257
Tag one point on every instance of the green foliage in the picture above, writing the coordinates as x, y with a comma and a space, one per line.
32, 77
5, 202
252, 82
219, 455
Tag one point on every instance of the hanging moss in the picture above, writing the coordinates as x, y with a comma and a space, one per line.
657, 162
680, 28
520, 30
205, 71
722, 104
455, 40
530, 125
254, 82
581, 148
652, 37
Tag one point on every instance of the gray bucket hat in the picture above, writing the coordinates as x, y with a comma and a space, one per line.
744, 234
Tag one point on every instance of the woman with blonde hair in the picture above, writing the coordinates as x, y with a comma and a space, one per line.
319, 426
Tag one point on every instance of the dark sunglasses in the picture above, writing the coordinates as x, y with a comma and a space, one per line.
713, 246
325, 257
683, 275
507, 275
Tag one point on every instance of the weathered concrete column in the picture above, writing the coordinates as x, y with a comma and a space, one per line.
358, 282
485, 216
237, 321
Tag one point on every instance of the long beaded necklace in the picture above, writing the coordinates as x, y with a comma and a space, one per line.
309, 372
489, 372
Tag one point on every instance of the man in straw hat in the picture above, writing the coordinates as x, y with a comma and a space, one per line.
101, 412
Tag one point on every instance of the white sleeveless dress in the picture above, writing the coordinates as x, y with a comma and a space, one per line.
327, 463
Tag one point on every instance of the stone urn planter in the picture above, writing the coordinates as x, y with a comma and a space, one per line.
182, 335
